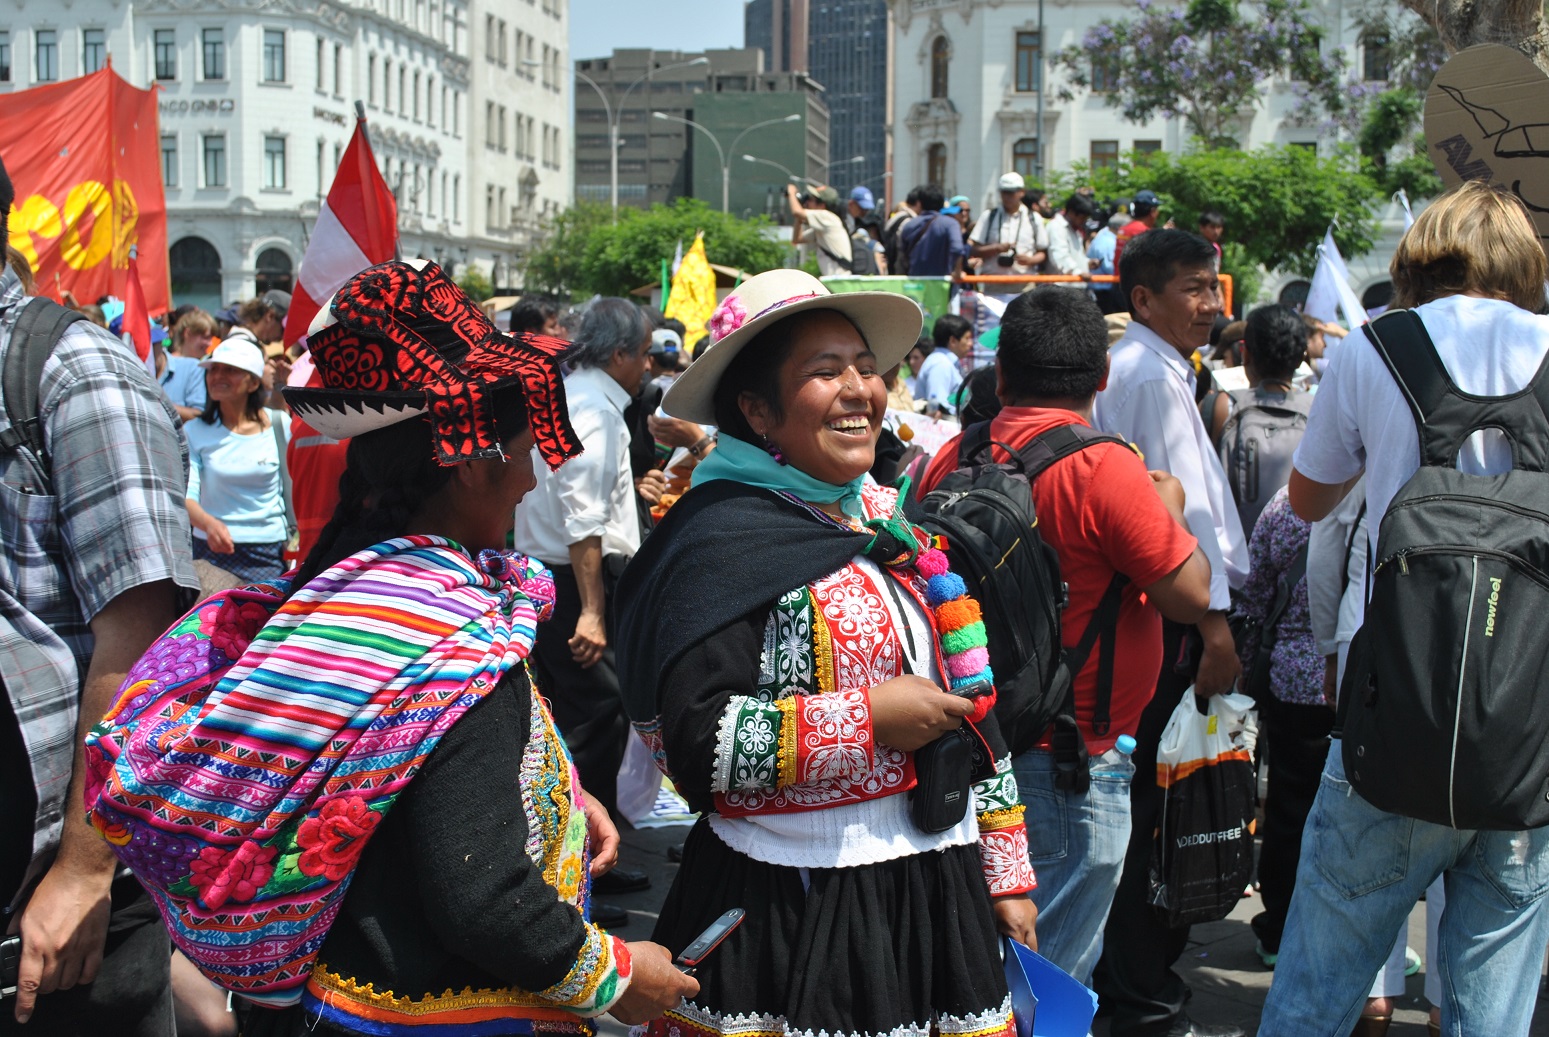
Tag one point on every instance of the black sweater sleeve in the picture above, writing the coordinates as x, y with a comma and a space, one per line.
695, 692
464, 833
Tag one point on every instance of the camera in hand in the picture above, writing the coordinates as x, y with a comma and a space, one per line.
1005, 259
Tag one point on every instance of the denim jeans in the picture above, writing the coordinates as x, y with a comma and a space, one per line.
1362, 869
1076, 844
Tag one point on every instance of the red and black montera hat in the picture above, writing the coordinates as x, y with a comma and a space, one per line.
400, 340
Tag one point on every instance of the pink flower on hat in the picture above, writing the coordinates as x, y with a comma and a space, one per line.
728, 317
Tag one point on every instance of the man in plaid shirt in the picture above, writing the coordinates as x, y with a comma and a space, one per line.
95, 563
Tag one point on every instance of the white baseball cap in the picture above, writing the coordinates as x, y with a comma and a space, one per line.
1013, 182
234, 352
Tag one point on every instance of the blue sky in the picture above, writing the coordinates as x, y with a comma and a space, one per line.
597, 27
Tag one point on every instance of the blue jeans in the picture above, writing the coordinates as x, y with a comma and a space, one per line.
1362, 870
1076, 844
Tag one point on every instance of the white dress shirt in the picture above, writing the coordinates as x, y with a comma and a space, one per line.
1150, 402
592, 495
1067, 251
938, 379
1024, 231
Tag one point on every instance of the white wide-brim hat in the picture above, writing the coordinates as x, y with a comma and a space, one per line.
889, 323
234, 352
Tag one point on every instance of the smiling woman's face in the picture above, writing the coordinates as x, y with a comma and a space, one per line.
833, 398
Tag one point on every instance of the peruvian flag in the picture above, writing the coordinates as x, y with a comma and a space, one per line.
357, 228
137, 319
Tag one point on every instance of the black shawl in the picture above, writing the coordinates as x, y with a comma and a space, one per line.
724, 551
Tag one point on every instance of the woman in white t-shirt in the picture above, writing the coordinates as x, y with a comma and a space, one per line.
236, 493
1473, 270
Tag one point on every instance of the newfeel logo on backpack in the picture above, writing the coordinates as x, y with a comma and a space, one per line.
1443, 709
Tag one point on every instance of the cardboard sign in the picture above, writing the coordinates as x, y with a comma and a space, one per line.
1487, 118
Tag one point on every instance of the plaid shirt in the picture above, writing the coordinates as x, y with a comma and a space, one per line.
115, 521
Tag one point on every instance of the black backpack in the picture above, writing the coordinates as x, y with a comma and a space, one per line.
985, 512
39, 326
1258, 441
1444, 708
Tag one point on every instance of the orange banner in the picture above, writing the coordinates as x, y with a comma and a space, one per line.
85, 158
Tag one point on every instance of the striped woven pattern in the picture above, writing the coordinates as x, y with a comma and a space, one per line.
255, 748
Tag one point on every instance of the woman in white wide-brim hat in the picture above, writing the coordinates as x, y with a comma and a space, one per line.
803, 697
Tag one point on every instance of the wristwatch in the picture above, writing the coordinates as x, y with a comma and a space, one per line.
699, 448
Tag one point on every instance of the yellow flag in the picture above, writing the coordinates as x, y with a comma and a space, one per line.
693, 293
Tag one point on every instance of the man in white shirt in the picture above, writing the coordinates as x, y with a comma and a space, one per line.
817, 230
582, 522
1009, 239
1067, 246
1174, 294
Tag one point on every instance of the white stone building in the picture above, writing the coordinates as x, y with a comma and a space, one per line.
965, 88
257, 106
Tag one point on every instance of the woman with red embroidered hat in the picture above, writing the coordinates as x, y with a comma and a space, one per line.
340, 787
805, 665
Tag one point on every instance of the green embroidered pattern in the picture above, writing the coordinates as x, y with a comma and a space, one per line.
789, 665
998, 793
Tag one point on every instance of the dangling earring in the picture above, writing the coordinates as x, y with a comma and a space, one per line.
774, 451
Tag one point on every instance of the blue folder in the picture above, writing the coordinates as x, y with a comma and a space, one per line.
1046, 1000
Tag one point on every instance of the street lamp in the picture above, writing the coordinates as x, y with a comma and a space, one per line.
844, 162
793, 177
726, 163
614, 117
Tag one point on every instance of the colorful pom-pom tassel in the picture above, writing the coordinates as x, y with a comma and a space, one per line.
969, 663
947, 587
931, 562
971, 636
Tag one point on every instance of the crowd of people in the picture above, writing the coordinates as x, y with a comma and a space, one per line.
368, 650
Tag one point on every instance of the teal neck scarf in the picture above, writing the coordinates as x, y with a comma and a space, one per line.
742, 462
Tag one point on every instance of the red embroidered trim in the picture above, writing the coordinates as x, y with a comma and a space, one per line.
833, 737
1003, 852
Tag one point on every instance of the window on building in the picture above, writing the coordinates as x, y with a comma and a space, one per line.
443, 193
430, 193
164, 44
338, 154
274, 163
371, 80
213, 44
502, 121
505, 53
1029, 63
939, 57
1147, 147
489, 37
274, 55
443, 106
322, 55
416, 97
387, 85
94, 50
1105, 75
338, 69
1376, 57
457, 198
1024, 156
1105, 154
45, 55
559, 147
430, 100
403, 82
214, 160
457, 115
936, 164
5, 56
169, 160
490, 132
489, 205
321, 169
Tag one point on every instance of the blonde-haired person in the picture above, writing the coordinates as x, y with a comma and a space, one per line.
1472, 270
193, 335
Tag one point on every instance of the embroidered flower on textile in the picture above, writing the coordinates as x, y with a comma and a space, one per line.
221, 874
1003, 853
235, 626
728, 317
757, 733
207, 617
795, 649
332, 841
853, 609
169, 661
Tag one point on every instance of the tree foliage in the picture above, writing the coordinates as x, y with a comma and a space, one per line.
1277, 200
473, 281
1204, 61
586, 253
1523, 24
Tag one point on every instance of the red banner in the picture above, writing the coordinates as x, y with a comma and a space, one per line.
85, 158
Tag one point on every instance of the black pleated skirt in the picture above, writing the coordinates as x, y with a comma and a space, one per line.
901, 948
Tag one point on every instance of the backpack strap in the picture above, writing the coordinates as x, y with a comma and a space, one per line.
1105, 624
280, 446
1445, 416
973, 448
39, 327
1285, 589
1355, 531
1058, 443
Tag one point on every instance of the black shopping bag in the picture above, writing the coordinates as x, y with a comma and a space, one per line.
1203, 854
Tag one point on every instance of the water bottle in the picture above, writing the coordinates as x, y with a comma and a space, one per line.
1126, 745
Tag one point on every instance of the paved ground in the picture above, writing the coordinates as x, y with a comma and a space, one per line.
1229, 982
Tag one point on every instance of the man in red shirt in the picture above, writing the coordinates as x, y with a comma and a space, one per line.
1144, 208
1103, 514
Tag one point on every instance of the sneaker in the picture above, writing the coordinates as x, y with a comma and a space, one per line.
1268, 957
1412, 962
